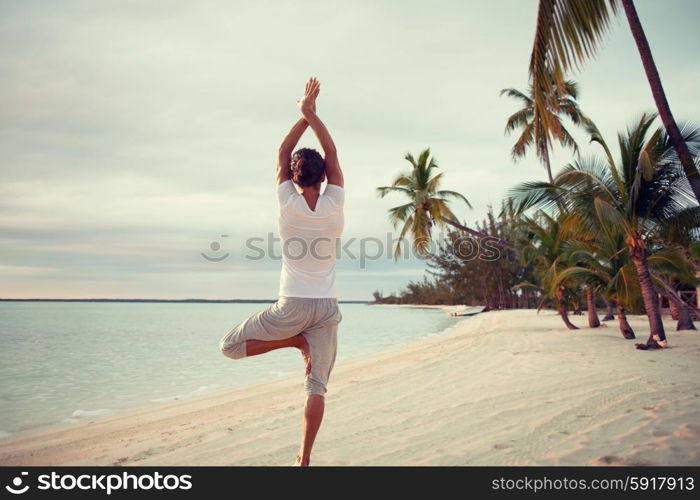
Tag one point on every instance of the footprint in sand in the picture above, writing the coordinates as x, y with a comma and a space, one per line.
608, 460
618, 460
501, 446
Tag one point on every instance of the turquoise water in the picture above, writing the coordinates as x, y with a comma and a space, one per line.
64, 362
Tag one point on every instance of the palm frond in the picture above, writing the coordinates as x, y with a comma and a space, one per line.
534, 194
671, 262
401, 213
515, 93
519, 119
384, 190
454, 194
526, 139
406, 228
567, 33
611, 220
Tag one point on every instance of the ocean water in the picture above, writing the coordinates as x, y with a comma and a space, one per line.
64, 362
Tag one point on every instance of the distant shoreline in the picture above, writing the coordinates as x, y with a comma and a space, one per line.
176, 301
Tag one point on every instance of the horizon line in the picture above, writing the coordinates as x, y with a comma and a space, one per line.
191, 300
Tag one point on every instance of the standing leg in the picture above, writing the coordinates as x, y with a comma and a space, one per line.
323, 346
313, 415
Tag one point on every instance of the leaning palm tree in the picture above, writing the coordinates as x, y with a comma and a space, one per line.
567, 33
631, 197
591, 287
428, 205
532, 130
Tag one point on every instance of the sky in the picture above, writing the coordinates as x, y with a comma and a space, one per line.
138, 138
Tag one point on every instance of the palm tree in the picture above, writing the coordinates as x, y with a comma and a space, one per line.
533, 132
604, 267
646, 188
428, 205
543, 248
567, 33
590, 290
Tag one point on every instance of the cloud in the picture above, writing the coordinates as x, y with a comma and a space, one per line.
133, 134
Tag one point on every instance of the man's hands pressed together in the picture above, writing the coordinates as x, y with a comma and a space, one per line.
307, 104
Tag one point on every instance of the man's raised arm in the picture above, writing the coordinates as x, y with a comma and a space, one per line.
307, 105
284, 154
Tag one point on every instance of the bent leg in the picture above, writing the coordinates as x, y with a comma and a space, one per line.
269, 329
255, 347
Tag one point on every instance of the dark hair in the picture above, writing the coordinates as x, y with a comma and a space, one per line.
308, 167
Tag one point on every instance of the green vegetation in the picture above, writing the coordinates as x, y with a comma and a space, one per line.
620, 233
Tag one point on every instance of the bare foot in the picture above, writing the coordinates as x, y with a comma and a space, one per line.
298, 462
303, 346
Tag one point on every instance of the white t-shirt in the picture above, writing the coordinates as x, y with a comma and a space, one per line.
309, 241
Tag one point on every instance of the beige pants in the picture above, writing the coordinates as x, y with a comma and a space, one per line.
316, 319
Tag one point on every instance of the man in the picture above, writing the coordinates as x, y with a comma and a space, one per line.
306, 315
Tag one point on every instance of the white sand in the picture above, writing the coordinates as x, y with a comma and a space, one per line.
450, 310
503, 388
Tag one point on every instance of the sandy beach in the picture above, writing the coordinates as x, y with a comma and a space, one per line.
501, 388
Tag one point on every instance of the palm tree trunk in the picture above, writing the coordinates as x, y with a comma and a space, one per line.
593, 320
662, 105
561, 302
685, 319
673, 308
672, 295
478, 234
683, 313
548, 166
608, 310
625, 327
657, 335
638, 253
